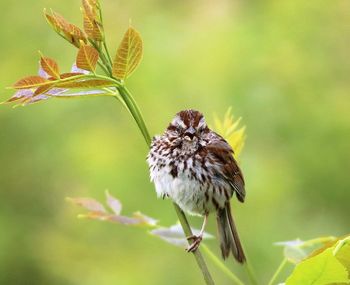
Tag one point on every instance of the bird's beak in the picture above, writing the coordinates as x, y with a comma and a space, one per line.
189, 134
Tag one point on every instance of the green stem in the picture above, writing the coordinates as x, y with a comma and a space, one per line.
135, 111
250, 272
102, 67
103, 57
197, 254
107, 52
278, 271
221, 265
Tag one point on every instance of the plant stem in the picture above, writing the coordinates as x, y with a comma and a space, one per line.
197, 254
103, 57
250, 272
221, 265
102, 67
278, 271
107, 52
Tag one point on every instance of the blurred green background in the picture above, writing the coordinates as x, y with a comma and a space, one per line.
284, 66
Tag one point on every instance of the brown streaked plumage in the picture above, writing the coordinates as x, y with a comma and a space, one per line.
195, 167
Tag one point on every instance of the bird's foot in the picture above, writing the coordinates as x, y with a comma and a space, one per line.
195, 244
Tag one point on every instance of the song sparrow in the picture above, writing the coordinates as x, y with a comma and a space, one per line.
194, 166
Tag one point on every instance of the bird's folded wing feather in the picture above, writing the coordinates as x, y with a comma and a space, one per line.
222, 152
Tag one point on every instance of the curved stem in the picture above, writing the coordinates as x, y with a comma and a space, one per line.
102, 67
107, 52
278, 271
136, 113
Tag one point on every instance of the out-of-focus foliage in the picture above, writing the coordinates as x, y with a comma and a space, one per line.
98, 212
283, 65
228, 128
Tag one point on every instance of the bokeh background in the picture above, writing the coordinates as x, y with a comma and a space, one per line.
284, 66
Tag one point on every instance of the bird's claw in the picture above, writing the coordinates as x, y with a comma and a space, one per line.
195, 244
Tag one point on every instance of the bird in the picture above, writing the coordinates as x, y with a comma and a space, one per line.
195, 167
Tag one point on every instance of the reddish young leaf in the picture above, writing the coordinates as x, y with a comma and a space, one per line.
93, 83
70, 74
113, 203
129, 54
43, 89
20, 94
92, 25
53, 22
146, 220
75, 69
87, 57
30, 82
70, 32
50, 67
86, 93
98, 212
89, 204
68, 27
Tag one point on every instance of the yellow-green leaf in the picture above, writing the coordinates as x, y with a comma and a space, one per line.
50, 67
321, 269
87, 57
229, 129
30, 82
129, 54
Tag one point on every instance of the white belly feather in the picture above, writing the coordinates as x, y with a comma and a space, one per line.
185, 191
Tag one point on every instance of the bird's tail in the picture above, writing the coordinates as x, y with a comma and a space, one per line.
229, 240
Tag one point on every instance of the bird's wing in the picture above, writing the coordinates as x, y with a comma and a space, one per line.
222, 153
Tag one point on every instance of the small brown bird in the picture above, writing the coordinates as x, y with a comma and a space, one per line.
194, 166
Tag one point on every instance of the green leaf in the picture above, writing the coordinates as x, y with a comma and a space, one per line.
321, 269
342, 252
129, 54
